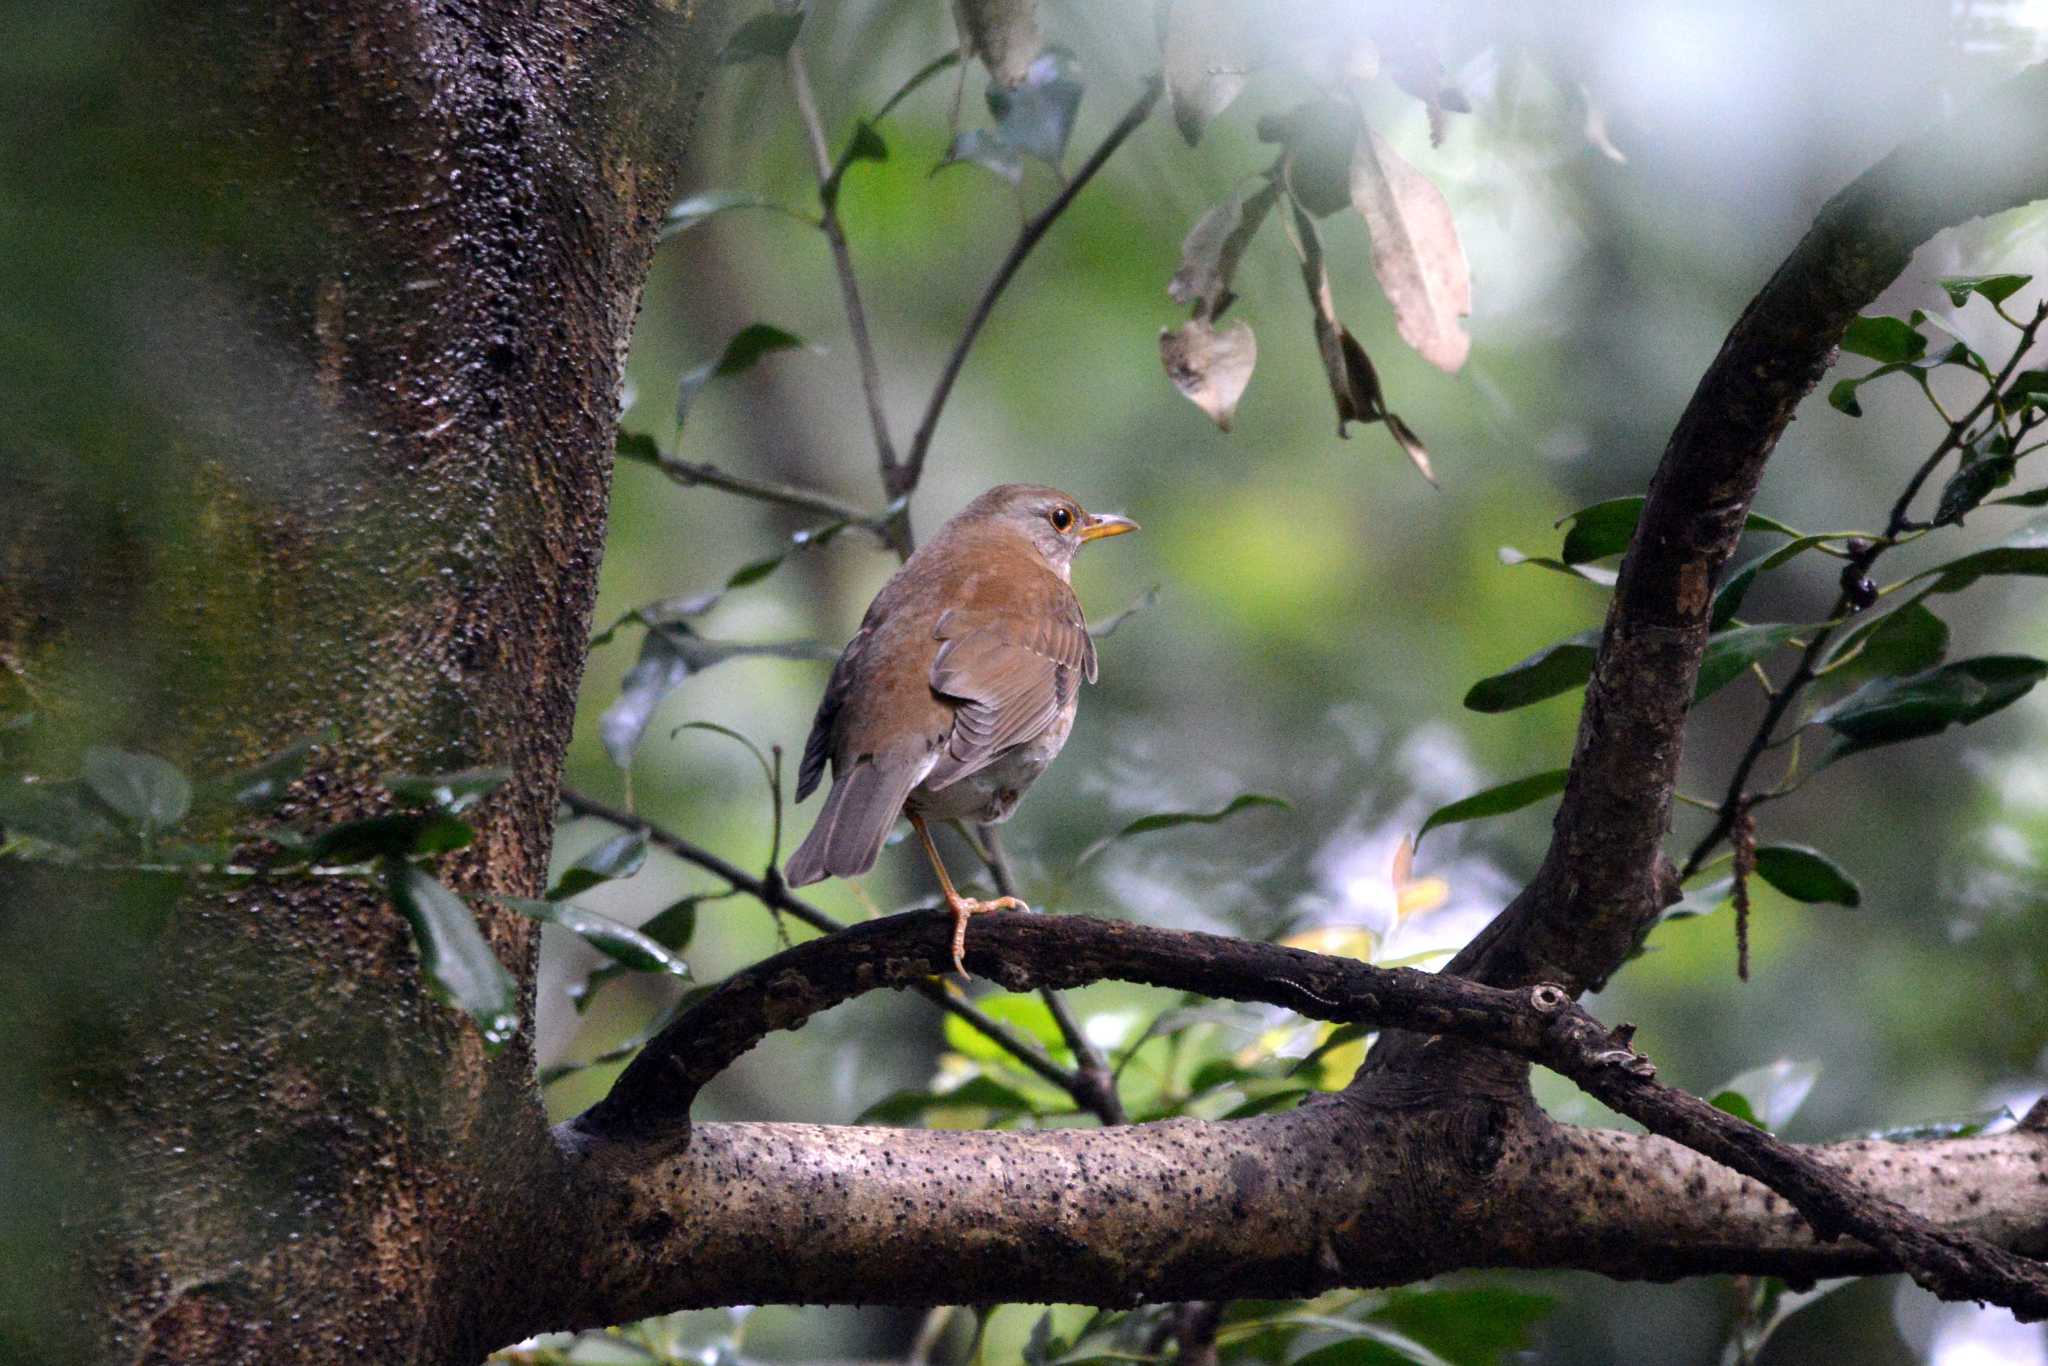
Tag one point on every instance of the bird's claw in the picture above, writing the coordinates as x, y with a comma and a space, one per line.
965, 907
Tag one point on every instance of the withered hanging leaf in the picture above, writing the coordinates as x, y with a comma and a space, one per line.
1318, 138
1003, 33
1213, 247
1415, 251
1211, 367
1210, 46
1354, 384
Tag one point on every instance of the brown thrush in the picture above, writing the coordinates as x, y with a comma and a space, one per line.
958, 688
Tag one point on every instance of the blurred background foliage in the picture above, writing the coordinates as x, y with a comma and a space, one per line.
1628, 177
1320, 610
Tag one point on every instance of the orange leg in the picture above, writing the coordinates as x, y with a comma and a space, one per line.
962, 906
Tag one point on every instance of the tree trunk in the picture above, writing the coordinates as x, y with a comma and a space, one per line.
375, 343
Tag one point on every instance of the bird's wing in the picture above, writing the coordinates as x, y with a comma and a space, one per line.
1012, 673
818, 747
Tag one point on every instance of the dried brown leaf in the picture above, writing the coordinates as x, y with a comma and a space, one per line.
1415, 251
1210, 46
1354, 384
1213, 247
1211, 366
1004, 34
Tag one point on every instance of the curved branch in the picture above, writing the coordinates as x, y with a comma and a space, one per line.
650, 1102
1605, 876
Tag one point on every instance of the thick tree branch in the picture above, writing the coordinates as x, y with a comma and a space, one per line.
1605, 875
1277, 1206
650, 1102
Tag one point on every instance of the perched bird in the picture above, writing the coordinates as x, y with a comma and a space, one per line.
957, 690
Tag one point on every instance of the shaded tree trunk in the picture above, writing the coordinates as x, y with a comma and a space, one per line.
373, 343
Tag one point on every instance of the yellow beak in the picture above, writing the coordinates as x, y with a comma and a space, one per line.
1099, 524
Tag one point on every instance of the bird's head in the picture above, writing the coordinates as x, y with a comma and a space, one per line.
1055, 522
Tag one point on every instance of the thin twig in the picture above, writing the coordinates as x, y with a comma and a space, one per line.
920, 444
771, 892
842, 259
1092, 1072
690, 474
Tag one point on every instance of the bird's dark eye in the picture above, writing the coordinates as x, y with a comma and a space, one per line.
1062, 518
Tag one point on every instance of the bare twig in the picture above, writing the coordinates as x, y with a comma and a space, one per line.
1034, 228
771, 892
651, 1099
842, 259
689, 474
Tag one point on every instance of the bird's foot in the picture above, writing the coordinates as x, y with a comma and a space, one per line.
964, 907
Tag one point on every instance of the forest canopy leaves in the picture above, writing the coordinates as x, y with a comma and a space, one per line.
1498, 800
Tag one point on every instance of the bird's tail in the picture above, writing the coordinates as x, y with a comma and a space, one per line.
858, 815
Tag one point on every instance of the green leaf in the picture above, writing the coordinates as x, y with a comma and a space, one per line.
2029, 388
1806, 875
1729, 598
620, 942
263, 785
460, 966
150, 793
1843, 395
981, 1091
1769, 1095
1604, 528
2025, 551
1736, 1104
747, 346
619, 857
1468, 1327
1886, 711
1508, 555
1986, 467
671, 929
1906, 641
638, 447
865, 145
396, 836
1320, 138
454, 793
1167, 820
1995, 288
62, 815
1731, 652
2032, 498
1037, 116
1889, 341
1954, 1126
1555, 669
766, 37
1497, 800
668, 655
1027, 1015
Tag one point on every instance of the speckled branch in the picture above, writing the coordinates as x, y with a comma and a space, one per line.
648, 1107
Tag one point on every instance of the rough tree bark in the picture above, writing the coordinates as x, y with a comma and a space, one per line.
392, 335
426, 229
